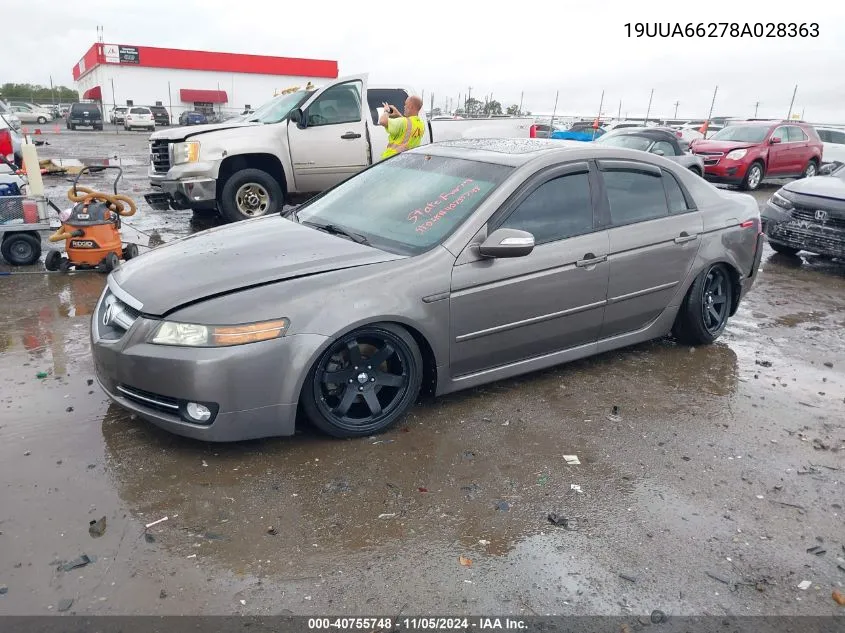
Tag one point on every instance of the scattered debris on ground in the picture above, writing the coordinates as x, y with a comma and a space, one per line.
466, 562
97, 527
65, 604
628, 578
81, 561
149, 525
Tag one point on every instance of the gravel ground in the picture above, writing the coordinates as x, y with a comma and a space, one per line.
701, 496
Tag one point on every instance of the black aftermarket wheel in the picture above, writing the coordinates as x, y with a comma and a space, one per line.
20, 249
704, 312
364, 381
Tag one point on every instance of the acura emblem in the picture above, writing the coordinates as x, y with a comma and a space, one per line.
821, 215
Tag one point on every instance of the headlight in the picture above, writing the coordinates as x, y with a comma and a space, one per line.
779, 201
187, 152
737, 154
192, 335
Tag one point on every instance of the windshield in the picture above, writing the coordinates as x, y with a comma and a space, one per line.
628, 141
407, 204
742, 133
278, 108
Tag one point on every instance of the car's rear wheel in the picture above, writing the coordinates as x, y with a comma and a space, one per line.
705, 310
42, 120
783, 249
811, 170
753, 177
364, 382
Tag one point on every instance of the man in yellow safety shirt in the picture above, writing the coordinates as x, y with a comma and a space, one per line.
404, 130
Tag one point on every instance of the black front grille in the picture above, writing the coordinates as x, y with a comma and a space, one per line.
160, 156
809, 215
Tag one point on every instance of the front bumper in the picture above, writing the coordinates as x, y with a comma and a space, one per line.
807, 235
728, 172
252, 389
192, 191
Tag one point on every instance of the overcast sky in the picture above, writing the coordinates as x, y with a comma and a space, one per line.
578, 48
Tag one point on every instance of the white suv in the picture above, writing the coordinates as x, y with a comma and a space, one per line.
139, 116
834, 144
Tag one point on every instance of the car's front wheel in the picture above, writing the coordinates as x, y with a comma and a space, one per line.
364, 382
705, 310
753, 177
811, 170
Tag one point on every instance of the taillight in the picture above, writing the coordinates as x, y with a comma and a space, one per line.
748, 224
6, 148
532, 132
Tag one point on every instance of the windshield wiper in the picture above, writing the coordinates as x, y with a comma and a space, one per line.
334, 229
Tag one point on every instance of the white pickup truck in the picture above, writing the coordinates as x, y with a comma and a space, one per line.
302, 142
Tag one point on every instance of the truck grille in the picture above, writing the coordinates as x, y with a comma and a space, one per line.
160, 156
809, 215
114, 317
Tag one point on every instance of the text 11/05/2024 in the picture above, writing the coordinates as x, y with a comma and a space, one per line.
722, 29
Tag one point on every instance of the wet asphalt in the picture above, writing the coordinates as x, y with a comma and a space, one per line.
702, 494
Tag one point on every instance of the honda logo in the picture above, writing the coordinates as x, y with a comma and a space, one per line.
821, 216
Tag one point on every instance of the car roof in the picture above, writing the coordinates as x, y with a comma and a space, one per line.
515, 152
651, 132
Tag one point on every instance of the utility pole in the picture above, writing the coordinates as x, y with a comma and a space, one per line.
554, 112
598, 118
802, 114
469, 96
619, 114
431, 109
710, 115
52, 90
676, 104
521, 97
794, 92
647, 112
756, 105
114, 104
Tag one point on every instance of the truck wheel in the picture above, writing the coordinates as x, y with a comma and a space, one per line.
250, 193
21, 249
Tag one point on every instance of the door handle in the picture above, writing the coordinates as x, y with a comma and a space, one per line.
684, 237
350, 135
590, 260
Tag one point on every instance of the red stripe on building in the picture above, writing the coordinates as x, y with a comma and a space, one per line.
188, 95
173, 58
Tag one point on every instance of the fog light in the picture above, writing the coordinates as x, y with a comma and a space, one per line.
198, 412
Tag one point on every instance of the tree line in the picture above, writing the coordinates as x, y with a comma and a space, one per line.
37, 93
476, 107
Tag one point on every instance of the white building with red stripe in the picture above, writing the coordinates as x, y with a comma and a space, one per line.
119, 74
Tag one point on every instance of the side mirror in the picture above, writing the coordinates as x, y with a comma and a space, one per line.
507, 243
774, 140
297, 117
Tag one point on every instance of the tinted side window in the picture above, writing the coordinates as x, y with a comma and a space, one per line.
557, 209
825, 136
677, 201
796, 134
377, 96
634, 196
338, 104
837, 137
664, 146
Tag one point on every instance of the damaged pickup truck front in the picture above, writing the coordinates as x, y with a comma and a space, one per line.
809, 215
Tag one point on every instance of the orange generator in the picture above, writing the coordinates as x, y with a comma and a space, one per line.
92, 230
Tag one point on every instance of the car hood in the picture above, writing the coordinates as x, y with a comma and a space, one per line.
822, 186
720, 146
235, 257
181, 133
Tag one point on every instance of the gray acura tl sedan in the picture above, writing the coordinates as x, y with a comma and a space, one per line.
442, 268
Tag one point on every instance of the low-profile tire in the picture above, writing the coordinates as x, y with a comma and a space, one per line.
21, 249
52, 261
812, 169
130, 252
250, 193
364, 382
753, 177
706, 308
783, 249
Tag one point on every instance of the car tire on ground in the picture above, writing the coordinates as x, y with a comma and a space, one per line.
704, 312
753, 177
812, 169
364, 382
21, 249
250, 193
783, 249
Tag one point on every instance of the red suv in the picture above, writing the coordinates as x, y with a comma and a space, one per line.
745, 153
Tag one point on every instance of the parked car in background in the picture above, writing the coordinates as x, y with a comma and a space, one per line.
834, 144
746, 153
160, 115
656, 140
12, 119
139, 117
191, 117
10, 138
640, 246
579, 133
542, 130
809, 215
84, 115
118, 115
28, 113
